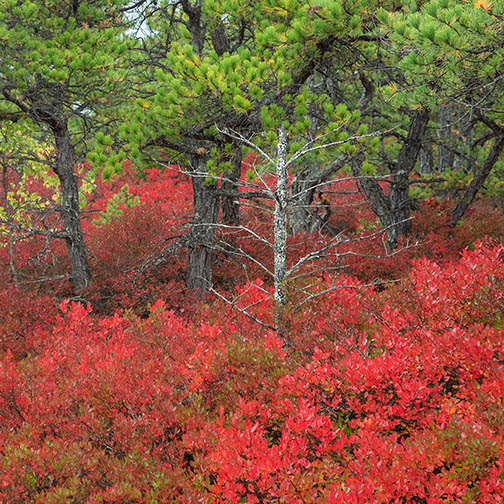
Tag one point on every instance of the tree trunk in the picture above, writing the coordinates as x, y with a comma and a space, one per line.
8, 211
406, 160
202, 236
194, 24
280, 220
280, 233
426, 166
394, 210
70, 209
446, 119
479, 179
230, 205
465, 140
302, 218
455, 133
400, 205
302, 191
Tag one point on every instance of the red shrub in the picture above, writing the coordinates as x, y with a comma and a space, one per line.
401, 401
23, 318
136, 257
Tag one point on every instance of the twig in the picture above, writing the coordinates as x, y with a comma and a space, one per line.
241, 310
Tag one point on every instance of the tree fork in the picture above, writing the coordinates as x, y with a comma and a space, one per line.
394, 210
477, 182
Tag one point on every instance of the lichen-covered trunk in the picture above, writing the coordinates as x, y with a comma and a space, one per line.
70, 209
280, 233
280, 220
202, 236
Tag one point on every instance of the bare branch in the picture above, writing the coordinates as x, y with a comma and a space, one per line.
305, 151
243, 311
238, 136
240, 228
315, 254
341, 287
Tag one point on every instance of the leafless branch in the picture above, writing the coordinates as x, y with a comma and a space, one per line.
315, 254
341, 287
305, 151
242, 310
238, 136
240, 228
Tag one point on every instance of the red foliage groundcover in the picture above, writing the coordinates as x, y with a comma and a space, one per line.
397, 397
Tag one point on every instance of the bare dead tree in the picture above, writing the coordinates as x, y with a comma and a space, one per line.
278, 189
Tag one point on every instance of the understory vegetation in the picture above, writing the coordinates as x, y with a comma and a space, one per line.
387, 388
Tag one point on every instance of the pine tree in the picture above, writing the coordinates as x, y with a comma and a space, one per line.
246, 68
453, 51
61, 65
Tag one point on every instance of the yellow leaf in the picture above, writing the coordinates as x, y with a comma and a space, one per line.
486, 5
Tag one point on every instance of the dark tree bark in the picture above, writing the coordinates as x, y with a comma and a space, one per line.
230, 205
302, 217
394, 209
302, 191
220, 41
446, 119
70, 210
477, 182
426, 166
202, 236
195, 25
455, 132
